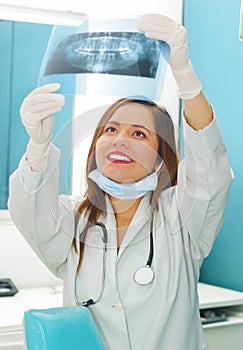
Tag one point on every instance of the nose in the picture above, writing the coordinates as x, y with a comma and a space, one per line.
121, 141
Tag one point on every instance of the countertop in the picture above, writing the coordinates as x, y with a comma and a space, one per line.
12, 308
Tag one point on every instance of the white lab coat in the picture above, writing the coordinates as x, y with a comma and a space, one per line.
165, 314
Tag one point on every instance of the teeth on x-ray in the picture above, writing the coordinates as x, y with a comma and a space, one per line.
109, 62
103, 53
126, 53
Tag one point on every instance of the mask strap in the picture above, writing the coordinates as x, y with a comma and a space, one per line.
159, 167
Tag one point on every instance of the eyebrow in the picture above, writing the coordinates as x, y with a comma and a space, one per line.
133, 125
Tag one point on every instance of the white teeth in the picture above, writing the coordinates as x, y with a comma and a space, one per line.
120, 157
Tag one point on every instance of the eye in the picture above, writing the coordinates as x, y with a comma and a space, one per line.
110, 129
139, 133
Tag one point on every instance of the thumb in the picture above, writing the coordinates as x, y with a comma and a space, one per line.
47, 125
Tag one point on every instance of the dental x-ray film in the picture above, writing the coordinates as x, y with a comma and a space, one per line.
105, 62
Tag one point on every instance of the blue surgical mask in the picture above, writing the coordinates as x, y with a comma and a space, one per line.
125, 191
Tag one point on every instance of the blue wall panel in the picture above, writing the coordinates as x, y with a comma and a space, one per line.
29, 45
22, 47
217, 55
30, 42
5, 86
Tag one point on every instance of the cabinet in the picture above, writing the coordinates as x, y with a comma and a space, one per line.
227, 334
220, 336
12, 311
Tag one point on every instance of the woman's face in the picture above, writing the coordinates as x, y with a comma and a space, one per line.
127, 149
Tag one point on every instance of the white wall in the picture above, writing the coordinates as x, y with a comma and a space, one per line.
18, 261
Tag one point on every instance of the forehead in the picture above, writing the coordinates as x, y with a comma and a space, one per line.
134, 113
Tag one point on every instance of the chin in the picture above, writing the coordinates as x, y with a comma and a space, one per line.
118, 177
122, 175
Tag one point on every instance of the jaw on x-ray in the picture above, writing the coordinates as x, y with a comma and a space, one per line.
103, 59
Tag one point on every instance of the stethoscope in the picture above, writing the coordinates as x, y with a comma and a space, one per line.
143, 276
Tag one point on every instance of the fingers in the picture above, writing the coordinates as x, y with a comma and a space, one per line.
38, 109
158, 27
158, 36
48, 88
41, 103
34, 119
155, 22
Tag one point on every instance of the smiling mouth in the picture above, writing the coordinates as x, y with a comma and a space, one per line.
119, 158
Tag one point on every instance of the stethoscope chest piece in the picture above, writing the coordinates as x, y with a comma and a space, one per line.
144, 275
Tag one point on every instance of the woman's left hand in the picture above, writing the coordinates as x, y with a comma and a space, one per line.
163, 28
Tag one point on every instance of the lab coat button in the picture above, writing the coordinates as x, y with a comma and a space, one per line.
118, 306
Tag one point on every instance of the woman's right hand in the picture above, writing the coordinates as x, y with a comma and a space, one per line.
37, 115
37, 112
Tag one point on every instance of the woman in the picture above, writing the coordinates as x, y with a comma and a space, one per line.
158, 215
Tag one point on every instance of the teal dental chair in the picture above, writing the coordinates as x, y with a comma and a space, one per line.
63, 328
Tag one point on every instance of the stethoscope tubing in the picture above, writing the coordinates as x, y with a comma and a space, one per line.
144, 271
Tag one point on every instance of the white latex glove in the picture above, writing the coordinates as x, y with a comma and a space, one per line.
163, 28
37, 115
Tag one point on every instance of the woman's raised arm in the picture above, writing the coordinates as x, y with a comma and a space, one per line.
198, 111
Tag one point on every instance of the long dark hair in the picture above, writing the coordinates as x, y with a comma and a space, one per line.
94, 204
